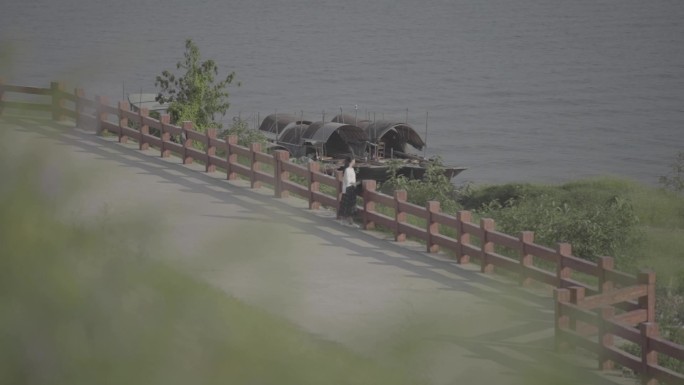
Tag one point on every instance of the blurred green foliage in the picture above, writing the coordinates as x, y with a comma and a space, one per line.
85, 303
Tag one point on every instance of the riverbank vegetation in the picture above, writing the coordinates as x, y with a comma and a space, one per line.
641, 226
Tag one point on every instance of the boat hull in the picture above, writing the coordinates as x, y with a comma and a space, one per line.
381, 174
418, 172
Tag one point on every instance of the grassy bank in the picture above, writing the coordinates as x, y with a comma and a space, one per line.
641, 226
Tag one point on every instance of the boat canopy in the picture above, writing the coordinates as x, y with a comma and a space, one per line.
344, 135
350, 119
394, 135
276, 123
293, 133
340, 139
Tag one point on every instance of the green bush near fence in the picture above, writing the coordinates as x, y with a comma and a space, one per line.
646, 223
592, 217
640, 226
434, 186
598, 217
246, 136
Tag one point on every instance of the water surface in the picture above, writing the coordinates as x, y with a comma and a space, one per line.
517, 90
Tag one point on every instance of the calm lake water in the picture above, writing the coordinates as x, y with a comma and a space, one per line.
516, 90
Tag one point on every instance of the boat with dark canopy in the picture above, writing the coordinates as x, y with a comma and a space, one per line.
339, 139
277, 123
372, 144
299, 137
388, 136
390, 140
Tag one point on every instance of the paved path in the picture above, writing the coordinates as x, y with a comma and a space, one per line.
355, 287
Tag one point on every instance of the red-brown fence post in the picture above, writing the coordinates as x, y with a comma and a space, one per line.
577, 294
165, 136
487, 225
648, 355
562, 321
100, 114
280, 157
648, 302
256, 165
400, 196
431, 225
210, 150
231, 157
463, 237
123, 121
143, 129
605, 339
368, 204
562, 272
57, 93
314, 186
78, 92
605, 264
187, 142
526, 259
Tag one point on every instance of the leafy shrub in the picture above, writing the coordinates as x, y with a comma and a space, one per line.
246, 135
434, 186
506, 194
675, 179
594, 226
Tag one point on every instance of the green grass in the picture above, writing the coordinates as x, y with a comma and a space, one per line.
661, 221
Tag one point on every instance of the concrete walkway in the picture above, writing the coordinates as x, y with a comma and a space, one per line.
359, 288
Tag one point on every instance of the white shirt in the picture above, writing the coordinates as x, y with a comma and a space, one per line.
349, 178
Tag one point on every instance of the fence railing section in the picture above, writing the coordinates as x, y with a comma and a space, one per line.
587, 315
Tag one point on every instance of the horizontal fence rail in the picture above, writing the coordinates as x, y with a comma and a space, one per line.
588, 316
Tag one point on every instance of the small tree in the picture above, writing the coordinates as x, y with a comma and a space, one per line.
195, 95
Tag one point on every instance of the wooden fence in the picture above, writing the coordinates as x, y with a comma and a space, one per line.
589, 312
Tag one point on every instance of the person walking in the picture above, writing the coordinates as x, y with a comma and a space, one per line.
348, 202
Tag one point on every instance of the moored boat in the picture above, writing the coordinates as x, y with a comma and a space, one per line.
390, 140
374, 145
317, 140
